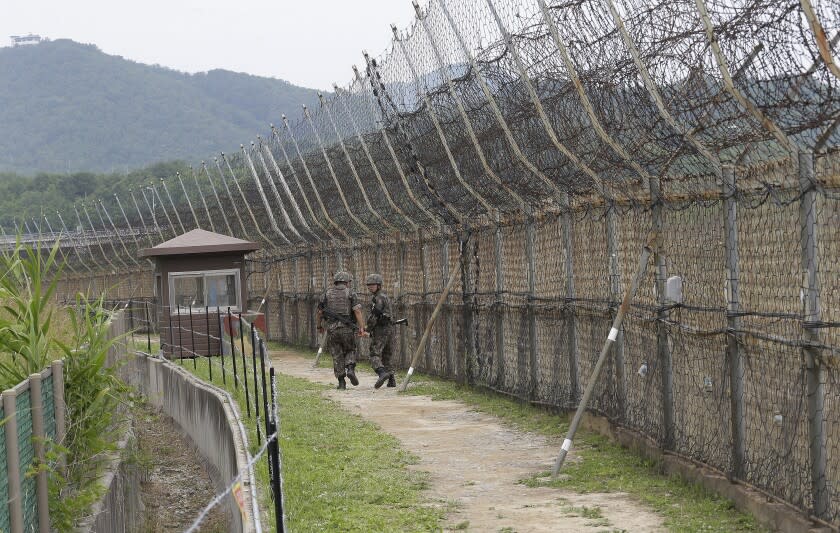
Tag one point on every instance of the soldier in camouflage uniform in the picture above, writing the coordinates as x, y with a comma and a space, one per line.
381, 328
338, 308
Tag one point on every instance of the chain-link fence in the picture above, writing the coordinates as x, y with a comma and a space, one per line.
33, 417
535, 147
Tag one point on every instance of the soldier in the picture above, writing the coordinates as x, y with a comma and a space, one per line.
381, 327
335, 308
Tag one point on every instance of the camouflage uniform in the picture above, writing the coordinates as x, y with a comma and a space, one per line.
381, 328
341, 338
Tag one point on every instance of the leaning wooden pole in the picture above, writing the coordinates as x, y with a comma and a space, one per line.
420, 345
593, 379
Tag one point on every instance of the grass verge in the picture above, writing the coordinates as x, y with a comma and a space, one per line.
340, 473
603, 466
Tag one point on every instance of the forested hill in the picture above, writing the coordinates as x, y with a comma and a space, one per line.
67, 107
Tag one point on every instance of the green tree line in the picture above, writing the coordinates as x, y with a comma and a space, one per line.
27, 197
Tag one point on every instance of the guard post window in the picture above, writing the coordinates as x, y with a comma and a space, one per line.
210, 288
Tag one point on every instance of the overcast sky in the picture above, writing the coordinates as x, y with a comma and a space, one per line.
307, 42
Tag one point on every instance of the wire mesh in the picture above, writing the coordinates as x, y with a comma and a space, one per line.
26, 451
4, 478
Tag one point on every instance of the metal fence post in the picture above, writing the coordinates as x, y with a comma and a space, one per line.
60, 408
423, 305
232, 349
377, 255
253, 335
468, 291
816, 372
13, 461
571, 316
281, 303
449, 369
530, 257
733, 322
663, 350
310, 299
499, 305
244, 364
615, 298
399, 292
38, 439
296, 286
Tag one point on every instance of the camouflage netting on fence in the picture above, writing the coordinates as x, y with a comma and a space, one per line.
534, 148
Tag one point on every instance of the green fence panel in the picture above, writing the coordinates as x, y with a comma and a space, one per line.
27, 455
48, 401
4, 478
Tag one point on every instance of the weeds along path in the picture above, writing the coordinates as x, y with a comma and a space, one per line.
176, 486
475, 462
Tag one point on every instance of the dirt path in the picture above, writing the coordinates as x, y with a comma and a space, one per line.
475, 462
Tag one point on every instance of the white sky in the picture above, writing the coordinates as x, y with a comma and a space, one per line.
307, 42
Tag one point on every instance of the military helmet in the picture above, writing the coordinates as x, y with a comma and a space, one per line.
373, 279
342, 277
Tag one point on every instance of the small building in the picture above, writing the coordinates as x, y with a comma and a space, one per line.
25, 40
198, 276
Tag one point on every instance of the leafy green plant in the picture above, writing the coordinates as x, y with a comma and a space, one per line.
97, 401
27, 310
33, 332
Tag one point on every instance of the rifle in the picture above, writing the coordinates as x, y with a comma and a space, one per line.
346, 320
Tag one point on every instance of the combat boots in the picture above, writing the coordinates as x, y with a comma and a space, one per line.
391, 381
384, 376
351, 373
341, 384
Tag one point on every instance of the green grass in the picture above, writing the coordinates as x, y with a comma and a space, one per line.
603, 466
340, 473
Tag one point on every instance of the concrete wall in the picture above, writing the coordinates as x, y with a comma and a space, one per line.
121, 509
205, 416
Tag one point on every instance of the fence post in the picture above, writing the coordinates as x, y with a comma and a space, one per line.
253, 335
468, 292
339, 258
281, 306
354, 263
219, 321
207, 330
449, 370
427, 361
38, 439
499, 304
530, 257
400, 290
244, 363
296, 287
60, 408
274, 454
571, 317
663, 350
13, 461
377, 255
615, 299
310, 300
816, 372
232, 349
733, 321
